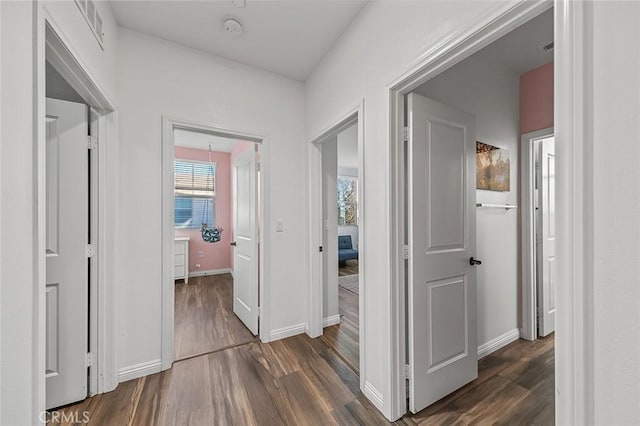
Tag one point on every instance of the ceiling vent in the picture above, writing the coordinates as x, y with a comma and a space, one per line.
547, 47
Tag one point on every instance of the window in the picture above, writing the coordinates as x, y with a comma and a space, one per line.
347, 200
194, 190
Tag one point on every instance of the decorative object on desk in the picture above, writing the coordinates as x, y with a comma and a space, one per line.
493, 168
210, 235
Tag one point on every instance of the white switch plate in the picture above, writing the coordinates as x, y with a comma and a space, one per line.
279, 225
326, 224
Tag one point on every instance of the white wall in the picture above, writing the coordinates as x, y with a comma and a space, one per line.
21, 377
360, 66
18, 277
490, 92
613, 105
157, 78
330, 232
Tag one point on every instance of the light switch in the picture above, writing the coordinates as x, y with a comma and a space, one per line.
326, 224
279, 225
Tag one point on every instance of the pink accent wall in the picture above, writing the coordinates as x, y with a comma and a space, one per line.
536, 99
216, 255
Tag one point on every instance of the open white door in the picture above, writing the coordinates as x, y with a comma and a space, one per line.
67, 219
546, 240
245, 253
443, 353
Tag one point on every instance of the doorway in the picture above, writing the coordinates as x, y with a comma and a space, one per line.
75, 203
205, 222
212, 209
539, 277
341, 209
337, 239
458, 175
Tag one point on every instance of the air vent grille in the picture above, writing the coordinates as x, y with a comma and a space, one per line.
92, 16
547, 47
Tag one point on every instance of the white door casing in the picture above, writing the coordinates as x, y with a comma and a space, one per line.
67, 221
245, 253
546, 257
442, 239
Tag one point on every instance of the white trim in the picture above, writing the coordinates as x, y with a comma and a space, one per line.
373, 395
283, 333
441, 57
527, 229
168, 230
574, 214
355, 115
209, 272
498, 343
330, 320
139, 370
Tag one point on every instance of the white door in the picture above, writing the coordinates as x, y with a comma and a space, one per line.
67, 223
443, 354
546, 240
245, 253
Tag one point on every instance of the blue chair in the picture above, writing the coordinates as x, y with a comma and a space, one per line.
345, 249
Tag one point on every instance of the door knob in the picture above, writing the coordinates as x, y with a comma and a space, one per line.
474, 262
233, 243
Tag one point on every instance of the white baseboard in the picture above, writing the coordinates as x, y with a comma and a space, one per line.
498, 343
209, 272
374, 396
139, 370
285, 332
332, 320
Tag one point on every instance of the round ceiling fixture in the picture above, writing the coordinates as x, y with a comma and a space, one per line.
233, 27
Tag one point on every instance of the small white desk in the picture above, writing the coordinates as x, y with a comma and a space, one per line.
181, 259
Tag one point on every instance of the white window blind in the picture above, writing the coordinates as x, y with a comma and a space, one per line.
194, 189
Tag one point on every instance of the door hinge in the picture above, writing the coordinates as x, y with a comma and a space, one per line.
91, 250
258, 310
407, 371
92, 142
90, 359
405, 252
405, 134
258, 166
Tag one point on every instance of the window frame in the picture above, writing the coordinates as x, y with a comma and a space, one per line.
194, 224
345, 202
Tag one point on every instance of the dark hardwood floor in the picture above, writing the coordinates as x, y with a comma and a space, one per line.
301, 381
344, 337
304, 381
349, 267
204, 318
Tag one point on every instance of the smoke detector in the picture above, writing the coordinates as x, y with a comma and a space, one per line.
233, 27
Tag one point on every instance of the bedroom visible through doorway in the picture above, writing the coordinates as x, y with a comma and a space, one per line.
209, 304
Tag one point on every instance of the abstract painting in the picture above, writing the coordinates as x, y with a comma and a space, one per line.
492, 167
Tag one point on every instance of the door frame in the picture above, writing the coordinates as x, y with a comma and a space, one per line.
168, 231
573, 333
528, 251
354, 115
52, 45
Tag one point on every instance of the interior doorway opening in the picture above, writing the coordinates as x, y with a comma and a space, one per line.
213, 285
210, 302
337, 244
75, 206
441, 214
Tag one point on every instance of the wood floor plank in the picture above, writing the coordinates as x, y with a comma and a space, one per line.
204, 319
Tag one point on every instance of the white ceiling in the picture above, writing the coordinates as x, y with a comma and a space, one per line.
520, 50
196, 140
288, 37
